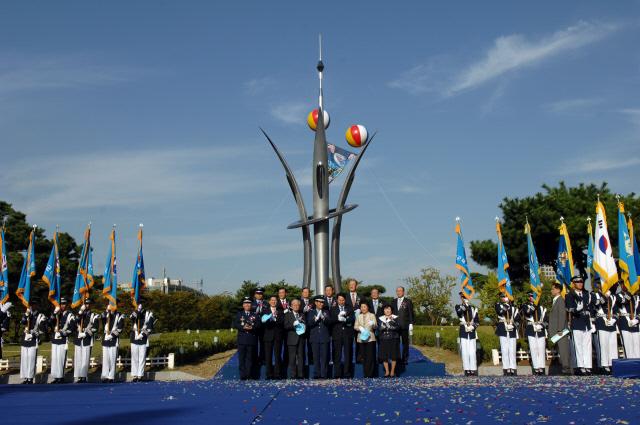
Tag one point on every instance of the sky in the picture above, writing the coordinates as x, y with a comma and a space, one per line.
149, 112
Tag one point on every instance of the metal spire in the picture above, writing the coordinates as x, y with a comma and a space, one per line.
320, 68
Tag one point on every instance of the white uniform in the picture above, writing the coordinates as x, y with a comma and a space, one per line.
113, 325
141, 329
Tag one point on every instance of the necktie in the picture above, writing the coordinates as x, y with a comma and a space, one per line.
353, 298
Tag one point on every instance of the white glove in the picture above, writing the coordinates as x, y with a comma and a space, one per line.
634, 322
58, 335
83, 308
411, 327
139, 337
357, 311
579, 306
468, 328
6, 306
509, 327
28, 337
342, 313
318, 316
108, 337
341, 318
361, 329
371, 323
537, 328
81, 335
608, 293
609, 322
56, 310
286, 311
296, 323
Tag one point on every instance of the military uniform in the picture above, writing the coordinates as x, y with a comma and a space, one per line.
86, 325
35, 324
603, 308
318, 324
5, 317
258, 307
469, 322
628, 311
142, 322
61, 324
507, 332
112, 325
247, 323
578, 302
536, 323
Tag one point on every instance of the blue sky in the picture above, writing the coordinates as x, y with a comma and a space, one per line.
149, 112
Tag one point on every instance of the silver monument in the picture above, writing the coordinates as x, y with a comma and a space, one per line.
321, 212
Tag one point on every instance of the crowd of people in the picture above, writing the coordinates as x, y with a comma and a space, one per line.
327, 332
582, 326
82, 328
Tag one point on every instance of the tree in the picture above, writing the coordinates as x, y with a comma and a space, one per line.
544, 210
431, 293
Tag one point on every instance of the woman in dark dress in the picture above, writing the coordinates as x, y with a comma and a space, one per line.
389, 336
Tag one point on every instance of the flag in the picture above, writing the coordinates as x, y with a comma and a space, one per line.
504, 282
466, 284
564, 263
52, 273
28, 271
625, 253
110, 277
138, 279
636, 254
534, 266
84, 276
4, 272
593, 275
338, 159
603, 261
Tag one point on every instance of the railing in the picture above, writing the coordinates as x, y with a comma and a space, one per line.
42, 363
496, 356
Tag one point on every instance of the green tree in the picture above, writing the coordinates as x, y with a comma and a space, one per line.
544, 210
431, 293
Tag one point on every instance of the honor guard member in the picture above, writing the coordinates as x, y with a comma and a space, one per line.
142, 322
272, 321
35, 324
61, 324
258, 306
469, 322
507, 331
342, 318
536, 322
318, 324
112, 326
86, 325
296, 339
5, 318
247, 322
628, 322
578, 303
603, 308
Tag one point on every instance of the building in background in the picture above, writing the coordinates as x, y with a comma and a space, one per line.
547, 271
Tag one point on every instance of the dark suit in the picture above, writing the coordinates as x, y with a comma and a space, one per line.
342, 336
557, 323
319, 336
349, 302
247, 323
273, 338
258, 307
405, 318
305, 307
375, 312
295, 344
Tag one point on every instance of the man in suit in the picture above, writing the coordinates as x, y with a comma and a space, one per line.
342, 336
353, 301
557, 324
273, 323
283, 302
577, 302
306, 304
318, 321
296, 329
403, 308
375, 304
247, 322
329, 298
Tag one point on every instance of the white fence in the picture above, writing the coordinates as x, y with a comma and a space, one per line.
42, 363
524, 355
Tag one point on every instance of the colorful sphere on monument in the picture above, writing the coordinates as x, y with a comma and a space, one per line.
312, 119
357, 136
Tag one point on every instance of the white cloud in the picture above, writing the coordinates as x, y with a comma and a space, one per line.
256, 86
291, 112
633, 114
508, 53
592, 165
572, 106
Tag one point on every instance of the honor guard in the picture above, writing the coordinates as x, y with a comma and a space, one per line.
578, 303
247, 322
628, 322
507, 331
35, 324
5, 317
61, 325
86, 325
142, 322
603, 308
112, 325
318, 324
469, 322
536, 322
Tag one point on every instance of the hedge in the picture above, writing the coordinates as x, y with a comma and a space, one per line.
183, 344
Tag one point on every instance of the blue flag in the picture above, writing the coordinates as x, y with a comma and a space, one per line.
338, 160
466, 284
110, 278
4, 271
52, 273
28, 271
564, 262
636, 254
593, 275
626, 262
504, 282
534, 266
138, 279
84, 276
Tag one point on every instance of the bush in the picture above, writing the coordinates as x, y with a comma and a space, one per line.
171, 342
426, 335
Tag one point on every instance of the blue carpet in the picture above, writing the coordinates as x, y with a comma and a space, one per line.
490, 400
626, 368
419, 366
